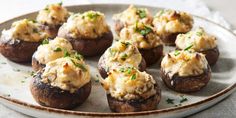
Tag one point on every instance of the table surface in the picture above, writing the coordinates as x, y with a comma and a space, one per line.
223, 109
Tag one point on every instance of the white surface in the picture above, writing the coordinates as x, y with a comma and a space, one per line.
13, 8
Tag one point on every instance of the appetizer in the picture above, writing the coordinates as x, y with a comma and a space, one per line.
130, 16
64, 83
129, 90
169, 23
199, 41
120, 53
20, 41
51, 18
88, 33
185, 71
148, 42
50, 50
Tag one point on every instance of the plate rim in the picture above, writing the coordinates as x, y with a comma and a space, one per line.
231, 88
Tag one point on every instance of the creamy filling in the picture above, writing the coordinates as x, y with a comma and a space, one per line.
141, 35
121, 53
170, 21
132, 15
90, 24
66, 73
127, 83
25, 30
184, 63
53, 14
198, 38
53, 50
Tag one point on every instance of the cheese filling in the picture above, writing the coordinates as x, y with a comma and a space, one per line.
132, 15
66, 73
53, 14
198, 38
90, 24
127, 83
53, 50
25, 30
171, 21
121, 53
141, 35
184, 63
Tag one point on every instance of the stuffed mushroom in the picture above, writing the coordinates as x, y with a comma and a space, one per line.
169, 23
120, 53
148, 42
130, 16
50, 50
129, 90
199, 41
20, 41
64, 83
88, 33
51, 18
185, 71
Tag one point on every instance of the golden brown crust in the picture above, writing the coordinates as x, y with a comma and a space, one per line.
89, 47
188, 83
47, 95
152, 55
103, 72
135, 105
18, 51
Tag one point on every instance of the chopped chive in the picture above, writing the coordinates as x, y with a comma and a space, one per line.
124, 56
199, 33
170, 101
92, 15
57, 49
133, 77
187, 48
79, 65
45, 41
141, 13
60, 3
78, 56
176, 53
144, 31
122, 69
66, 53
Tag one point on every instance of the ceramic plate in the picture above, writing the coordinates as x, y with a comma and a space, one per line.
14, 78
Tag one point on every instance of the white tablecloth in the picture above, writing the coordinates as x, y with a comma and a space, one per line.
12, 8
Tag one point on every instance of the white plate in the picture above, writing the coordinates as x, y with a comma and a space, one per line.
14, 82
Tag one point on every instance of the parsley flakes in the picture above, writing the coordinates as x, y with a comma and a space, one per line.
133, 77
57, 49
143, 31
79, 65
141, 13
45, 41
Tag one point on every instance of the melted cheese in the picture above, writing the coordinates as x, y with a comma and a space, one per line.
121, 53
171, 21
53, 50
150, 40
132, 15
53, 14
184, 63
198, 38
24, 30
125, 83
66, 74
90, 24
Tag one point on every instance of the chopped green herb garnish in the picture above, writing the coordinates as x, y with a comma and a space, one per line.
35, 30
31, 73
160, 13
79, 65
45, 41
22, 81
66, 53
187, 48
122, 69
112, 52
133, 77
170, 101
183, 99
141, 13
129, 70
60, 3
57, 49
126, 43
176, 53
78, 56
144, 31
92, 15
124, 56
34, 21
199, 33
